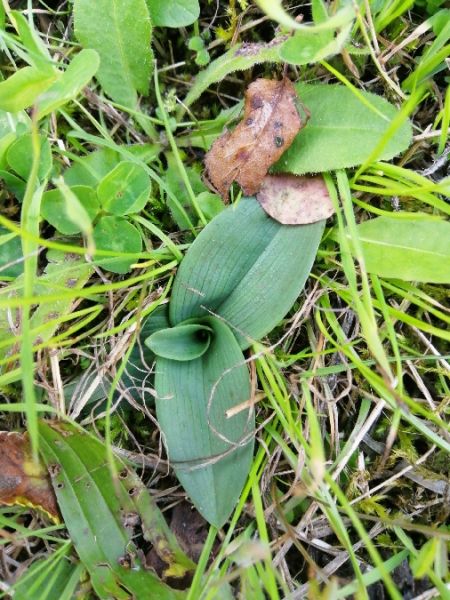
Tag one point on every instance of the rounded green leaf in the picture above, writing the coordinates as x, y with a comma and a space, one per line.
20, 156
117, 235
342, 131
211, 454
184, 342
125, 189
53, 208
173, 13
11, 257
246, 268
14, 184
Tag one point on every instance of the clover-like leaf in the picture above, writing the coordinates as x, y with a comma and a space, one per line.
117, 235
125, 189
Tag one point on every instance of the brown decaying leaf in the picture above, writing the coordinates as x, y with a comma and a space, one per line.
268, 127
293, 200
22, 481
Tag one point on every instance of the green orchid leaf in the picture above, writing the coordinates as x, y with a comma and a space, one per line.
245, 268
184, 342
102, 513
211, 454
137, 377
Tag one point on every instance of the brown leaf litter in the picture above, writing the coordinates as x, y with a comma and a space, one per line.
268, 127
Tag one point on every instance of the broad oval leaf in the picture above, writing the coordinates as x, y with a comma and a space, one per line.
125, 189
22, 89
342, 131
173, 13
117, 235
415, 249
120, 31
184, 342
211, 454
245, 268
77, 75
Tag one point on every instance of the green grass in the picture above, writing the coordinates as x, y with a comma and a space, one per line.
348, 490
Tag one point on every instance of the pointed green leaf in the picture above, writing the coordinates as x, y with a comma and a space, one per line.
37, 54
101, 513
211, 454
246, 268
120, 31
77, 75
414, 249
342, 131
22, 89
184, 342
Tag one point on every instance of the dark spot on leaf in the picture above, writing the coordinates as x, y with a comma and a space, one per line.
249, 121
133, 491
54, 469
277, 125
125, 561
257, 102
279, 141
242, 155
70, 283
123, 474
59, 485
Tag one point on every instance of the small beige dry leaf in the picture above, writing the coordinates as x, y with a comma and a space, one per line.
294, 200
268, 127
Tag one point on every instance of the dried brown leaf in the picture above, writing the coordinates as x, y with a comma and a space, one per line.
293, 200
268, 127
22, 481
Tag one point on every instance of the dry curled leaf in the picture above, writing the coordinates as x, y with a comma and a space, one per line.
293, 200
268, 127
22, 481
